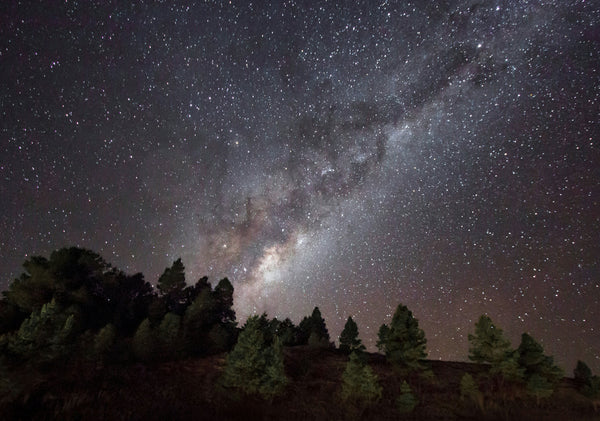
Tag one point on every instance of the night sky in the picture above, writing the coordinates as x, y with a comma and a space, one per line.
351, 155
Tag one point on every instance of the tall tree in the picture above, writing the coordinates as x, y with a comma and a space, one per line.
360, 385
168, 337
224, 302
144, 342
313, 330
587, 384
255, 366
171, 285
403, 342
534, 361
488, 344
349, 341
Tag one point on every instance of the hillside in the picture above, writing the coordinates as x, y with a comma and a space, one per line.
189, 390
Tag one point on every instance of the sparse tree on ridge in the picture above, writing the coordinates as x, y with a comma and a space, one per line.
313, 330
488, 344
403, 342
534, 361
349, 341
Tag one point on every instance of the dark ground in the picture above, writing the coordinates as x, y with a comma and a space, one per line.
189, 390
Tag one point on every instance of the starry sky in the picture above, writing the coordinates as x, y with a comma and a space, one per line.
351, 155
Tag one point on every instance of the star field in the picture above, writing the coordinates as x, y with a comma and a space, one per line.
352, 156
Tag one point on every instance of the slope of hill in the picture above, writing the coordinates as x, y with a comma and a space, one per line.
190, 390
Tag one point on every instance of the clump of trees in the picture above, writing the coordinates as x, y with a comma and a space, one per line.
512, 371
74, 306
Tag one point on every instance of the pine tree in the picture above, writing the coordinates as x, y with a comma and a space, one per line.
224, 302
582, 373
359, 384
144, 342
403, 342
169, 338
197, 322
44, 336
313, 330
588, 384
534, 361
171, 285
488, 344
349, 341
407, 401
254, 366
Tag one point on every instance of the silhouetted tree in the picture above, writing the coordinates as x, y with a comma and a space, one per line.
284, 330
582, 373
224, 302
534, 361
313, 330
171, 285
349, 341
587, 384
403, 342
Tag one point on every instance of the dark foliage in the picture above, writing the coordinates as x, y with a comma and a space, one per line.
403, 342
349, 341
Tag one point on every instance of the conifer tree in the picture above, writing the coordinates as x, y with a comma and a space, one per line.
534, 361
313, 330
588, 384
168, 337
44, 336
144, 342
488, 344
360, 385
403, 342
582, 373
407, 401
349, 341
254, 366
171, 285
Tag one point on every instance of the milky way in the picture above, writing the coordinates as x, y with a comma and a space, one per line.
443, 155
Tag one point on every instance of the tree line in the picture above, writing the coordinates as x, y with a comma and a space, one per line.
75, 306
